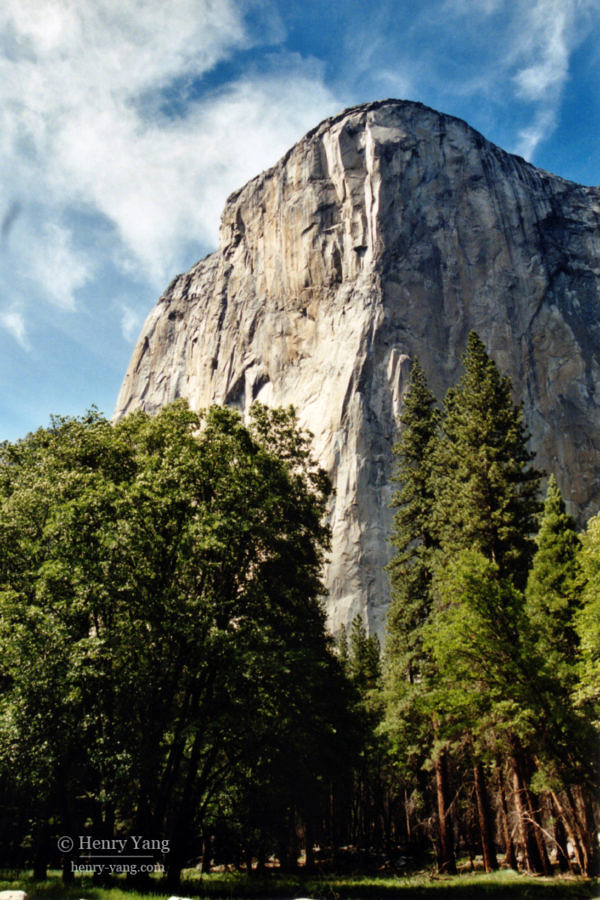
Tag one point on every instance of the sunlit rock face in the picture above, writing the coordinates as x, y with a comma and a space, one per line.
389, 231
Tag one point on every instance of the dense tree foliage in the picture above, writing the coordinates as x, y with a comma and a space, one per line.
587, 622
411, 567
165, 670
486, 490
369, 800
493, 709
408, 667
554, 584
161, 632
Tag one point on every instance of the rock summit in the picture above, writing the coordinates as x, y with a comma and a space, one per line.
388, 231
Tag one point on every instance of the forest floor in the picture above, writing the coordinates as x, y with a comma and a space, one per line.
502, 885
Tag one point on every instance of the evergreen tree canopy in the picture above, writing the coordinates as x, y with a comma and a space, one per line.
363, 663
486, 491
587, 622
474, 634
554, 585
407, 667
411, 566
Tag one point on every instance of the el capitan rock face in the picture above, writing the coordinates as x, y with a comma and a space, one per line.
389, 231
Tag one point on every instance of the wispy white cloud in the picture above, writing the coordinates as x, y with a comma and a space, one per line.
55, 265
82, 125
522, 51
131, 322
530, 137
13, 321
84, 89
544, 46
542, 54
124, 125
471, 7
162, 182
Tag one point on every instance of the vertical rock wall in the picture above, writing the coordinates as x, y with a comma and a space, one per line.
388, 231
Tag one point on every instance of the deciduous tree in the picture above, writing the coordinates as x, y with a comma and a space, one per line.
160, 617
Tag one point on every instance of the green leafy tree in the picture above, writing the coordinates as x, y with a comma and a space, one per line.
488, 677
160, 617
475, 609
372, 794
486, 501
488, 694
578, 773
564, 741
477, 492
363, 664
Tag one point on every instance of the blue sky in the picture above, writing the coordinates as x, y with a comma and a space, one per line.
124, 124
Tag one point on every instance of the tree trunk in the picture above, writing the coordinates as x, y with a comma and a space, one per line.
484, 815
447, 860
534, 850
142, 826
578, 832
67, 829
309, 855
68, 875
585, 822
39, 868
40, 851
407, 818
510, 858
560, 836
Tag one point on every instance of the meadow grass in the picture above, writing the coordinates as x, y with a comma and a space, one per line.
502, 885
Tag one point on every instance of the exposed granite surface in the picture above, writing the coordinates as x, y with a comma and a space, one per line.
388, 231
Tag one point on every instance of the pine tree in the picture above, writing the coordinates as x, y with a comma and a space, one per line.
486, 489
363, 657
587, 622
407, 670
486, 503
411, 567
565, 740
476, 694
341, 647
554, 586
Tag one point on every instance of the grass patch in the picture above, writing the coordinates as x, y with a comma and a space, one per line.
502, 885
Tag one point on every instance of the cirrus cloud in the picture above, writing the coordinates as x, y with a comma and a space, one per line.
85, 126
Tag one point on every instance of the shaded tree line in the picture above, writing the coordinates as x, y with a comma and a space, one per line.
165, 669
164, 665
491, 678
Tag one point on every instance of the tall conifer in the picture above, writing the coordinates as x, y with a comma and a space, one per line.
587, 621
486, 489
411, 567
554, 585
407, 671
485, 502
565, 738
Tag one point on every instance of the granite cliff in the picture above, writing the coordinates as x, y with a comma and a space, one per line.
389, 230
